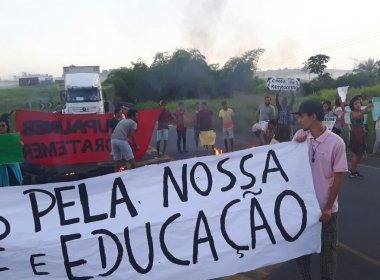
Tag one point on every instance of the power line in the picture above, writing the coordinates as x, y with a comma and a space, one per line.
347, 42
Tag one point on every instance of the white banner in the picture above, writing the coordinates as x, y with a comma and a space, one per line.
285, 84
199, 218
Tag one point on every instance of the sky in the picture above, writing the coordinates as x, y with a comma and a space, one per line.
42, 36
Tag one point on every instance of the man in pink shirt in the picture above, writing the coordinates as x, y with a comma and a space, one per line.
328, 163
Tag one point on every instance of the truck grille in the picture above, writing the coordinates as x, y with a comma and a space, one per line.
85, 109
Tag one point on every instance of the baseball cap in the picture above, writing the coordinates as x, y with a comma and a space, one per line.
311, 107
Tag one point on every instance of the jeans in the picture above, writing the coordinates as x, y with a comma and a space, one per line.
181, 135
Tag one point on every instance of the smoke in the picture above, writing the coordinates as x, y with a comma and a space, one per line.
218, 29
283, 53
201, 24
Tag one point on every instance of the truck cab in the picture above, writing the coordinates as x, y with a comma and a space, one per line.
83, 92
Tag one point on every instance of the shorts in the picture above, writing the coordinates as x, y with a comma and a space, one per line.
207, 137
163, 134
228, 133
121, 149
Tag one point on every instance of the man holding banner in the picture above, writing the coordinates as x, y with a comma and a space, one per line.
328, 162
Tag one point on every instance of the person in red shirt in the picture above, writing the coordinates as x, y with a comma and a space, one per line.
179, 116
204, 121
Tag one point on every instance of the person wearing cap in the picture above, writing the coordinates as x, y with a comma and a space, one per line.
328, 163
164, 118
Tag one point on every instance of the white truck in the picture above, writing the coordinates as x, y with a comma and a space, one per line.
83, 91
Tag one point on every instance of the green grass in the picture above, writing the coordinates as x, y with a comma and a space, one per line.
31, 98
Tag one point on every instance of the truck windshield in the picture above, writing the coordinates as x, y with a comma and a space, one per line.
82, 95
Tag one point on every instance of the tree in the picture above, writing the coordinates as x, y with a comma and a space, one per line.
370, 65
316, 64
188, 76
239, 71
305, 68
184, 74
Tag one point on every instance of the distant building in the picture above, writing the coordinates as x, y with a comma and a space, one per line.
46, 80
28, 81
59, 81
104, 75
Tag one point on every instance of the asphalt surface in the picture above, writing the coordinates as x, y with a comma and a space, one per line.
359, 221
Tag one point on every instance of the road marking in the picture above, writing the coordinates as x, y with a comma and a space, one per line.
359, 254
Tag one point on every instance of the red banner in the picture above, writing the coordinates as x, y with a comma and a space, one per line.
59, 139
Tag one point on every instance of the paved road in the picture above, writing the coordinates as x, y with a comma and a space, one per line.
359, 221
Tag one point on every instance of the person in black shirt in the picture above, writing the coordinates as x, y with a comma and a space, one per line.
117, 116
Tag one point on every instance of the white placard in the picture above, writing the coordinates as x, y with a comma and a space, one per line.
198, 218
376, 107
284, 84
342, 92
329, 122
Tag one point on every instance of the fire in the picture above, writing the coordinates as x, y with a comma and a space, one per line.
218, 151
121, 169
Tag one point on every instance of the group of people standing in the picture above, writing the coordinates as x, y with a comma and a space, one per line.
274, 124
124, 124
327, 171
355, 131
201, 120
280, 126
